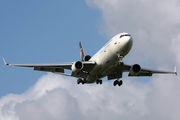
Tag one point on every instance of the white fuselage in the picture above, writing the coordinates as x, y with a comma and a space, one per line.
109, 56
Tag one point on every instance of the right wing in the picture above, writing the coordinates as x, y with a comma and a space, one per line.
120, 68
126, 68
58, 67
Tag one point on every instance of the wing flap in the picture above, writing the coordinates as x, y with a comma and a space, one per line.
80, 74
50, 69
141, 74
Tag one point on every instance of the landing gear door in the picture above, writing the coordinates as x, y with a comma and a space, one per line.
116, 75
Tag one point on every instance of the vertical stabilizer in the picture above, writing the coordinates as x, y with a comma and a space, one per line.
82, 54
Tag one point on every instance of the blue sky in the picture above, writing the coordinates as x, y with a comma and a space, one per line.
43, 32
50, 31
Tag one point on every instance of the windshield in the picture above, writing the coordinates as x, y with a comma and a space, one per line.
124, 35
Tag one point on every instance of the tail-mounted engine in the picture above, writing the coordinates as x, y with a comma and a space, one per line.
87, 58
135, 69
77, 66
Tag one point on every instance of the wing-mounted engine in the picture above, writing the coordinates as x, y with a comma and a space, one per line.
135, 69
87, 58
77, 66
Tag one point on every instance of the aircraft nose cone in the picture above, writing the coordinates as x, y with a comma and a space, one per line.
127, 44
129, 41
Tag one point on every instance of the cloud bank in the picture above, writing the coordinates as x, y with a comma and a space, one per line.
57, 97
155, 27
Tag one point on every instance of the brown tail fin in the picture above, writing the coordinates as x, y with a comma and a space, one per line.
82, 54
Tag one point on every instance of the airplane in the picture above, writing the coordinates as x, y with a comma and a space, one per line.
106, 62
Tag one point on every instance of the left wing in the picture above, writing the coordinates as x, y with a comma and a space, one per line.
56, 67
120, 68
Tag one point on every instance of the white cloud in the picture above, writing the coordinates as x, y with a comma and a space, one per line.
153, 25
56, 97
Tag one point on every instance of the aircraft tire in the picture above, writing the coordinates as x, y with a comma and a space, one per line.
115, 82
80, 81
84, 80
97, 81
120, 82
100, 81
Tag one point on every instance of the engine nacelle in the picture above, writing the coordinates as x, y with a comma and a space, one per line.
87, 58
77, 66
135, 69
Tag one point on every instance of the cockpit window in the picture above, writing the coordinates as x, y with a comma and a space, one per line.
124, 35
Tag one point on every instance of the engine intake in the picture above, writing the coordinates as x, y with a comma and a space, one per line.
77, 66
87, 58
135, 69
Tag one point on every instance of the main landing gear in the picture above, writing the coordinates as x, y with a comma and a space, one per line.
98, 81
117, 82
81, 81
84, 81
121, 63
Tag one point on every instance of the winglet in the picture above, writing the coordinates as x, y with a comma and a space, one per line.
5, 62
175, 72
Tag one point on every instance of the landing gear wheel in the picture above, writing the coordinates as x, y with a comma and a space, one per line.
82, 82
115, 82
97, 81
78, 81
120, 83
100, 81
